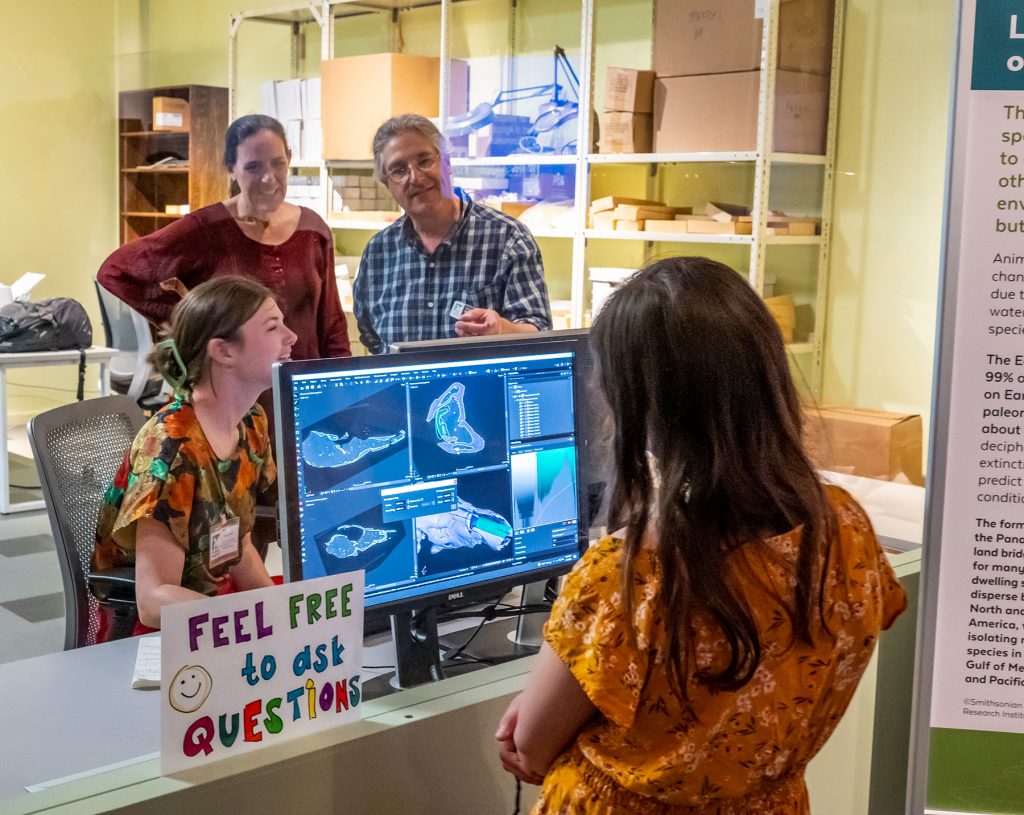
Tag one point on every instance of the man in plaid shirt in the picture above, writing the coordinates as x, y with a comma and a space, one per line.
448, 267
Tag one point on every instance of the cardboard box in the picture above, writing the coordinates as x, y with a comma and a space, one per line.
694, 37
728, 113
705, 37
625, 132
310, 97
612, 201
604, 220
627, 89
514, 208
870, 443
805, 35
288, 96
171, 114
359, 93
699, 226
655, 225
641, 212
310, 140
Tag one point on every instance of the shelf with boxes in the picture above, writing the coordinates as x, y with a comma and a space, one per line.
737, 103
757, 72
170, 143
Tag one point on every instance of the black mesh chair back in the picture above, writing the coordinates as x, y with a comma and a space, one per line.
78, 448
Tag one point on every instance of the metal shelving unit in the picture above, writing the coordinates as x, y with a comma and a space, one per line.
762, 161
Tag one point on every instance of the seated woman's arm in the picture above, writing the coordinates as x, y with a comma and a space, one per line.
159, 562
250, 572
544, 719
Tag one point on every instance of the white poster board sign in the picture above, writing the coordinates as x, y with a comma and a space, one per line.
247, 670
979, 647
969, 702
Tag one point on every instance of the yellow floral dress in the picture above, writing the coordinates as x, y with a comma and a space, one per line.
741, 752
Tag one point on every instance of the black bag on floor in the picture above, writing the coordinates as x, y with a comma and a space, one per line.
56, 324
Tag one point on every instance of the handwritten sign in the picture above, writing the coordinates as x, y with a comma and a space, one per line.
246, 670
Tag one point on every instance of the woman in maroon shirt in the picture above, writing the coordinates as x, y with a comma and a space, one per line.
288, 249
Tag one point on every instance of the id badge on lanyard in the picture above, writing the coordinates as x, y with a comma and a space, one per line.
225, 543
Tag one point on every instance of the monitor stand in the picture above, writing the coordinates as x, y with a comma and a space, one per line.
417, 655
419, 651
504, 640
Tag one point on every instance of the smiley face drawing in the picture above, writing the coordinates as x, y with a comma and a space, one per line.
189, 688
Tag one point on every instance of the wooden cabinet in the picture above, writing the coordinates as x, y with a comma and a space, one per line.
161, 171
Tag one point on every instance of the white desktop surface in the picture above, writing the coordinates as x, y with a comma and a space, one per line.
74, 714
896, 510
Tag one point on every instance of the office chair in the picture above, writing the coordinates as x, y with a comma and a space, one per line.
78, 448
130, 370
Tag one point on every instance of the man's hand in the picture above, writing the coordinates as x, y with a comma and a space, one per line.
480, 322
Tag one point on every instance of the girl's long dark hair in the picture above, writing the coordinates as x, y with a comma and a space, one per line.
695, 375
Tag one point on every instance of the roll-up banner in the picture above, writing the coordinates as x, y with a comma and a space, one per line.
968, 754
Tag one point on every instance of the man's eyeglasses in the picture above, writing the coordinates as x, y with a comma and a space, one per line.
401, 173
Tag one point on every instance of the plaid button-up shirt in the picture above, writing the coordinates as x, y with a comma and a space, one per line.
489, 260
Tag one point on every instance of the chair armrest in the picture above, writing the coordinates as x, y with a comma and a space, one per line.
116, 584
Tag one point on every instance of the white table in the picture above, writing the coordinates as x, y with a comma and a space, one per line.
40, 359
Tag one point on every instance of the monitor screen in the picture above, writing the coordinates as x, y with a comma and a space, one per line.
591, 453
447, 475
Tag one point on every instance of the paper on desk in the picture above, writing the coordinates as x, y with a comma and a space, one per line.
147, 663
21, 287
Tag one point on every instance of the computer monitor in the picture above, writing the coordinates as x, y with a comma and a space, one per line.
450, 476
590, 442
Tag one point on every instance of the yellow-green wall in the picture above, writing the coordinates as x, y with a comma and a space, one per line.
891, 163
58, 160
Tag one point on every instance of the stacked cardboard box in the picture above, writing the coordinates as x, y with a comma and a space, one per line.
296, 104
305, 191
871, 443
625, 125
603, 281
614, 212
362, 194
707, 59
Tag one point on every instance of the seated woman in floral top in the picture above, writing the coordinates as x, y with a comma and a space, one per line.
182, 505
697, 659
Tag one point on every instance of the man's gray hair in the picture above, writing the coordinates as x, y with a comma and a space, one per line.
406, 123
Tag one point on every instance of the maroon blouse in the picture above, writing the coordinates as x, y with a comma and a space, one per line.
208, 243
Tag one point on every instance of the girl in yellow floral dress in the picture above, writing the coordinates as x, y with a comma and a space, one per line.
182, 505
700, 657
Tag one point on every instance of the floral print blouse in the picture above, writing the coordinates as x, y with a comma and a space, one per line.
738, 752
172, 475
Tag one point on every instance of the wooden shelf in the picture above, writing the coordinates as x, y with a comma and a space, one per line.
139, 134
161, 215
145, 190
155, 170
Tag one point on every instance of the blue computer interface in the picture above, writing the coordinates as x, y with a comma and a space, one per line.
433, 477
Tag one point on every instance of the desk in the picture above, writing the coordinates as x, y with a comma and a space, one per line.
40, 359
424, 751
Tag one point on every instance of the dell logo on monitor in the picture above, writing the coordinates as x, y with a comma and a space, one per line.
456, 595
